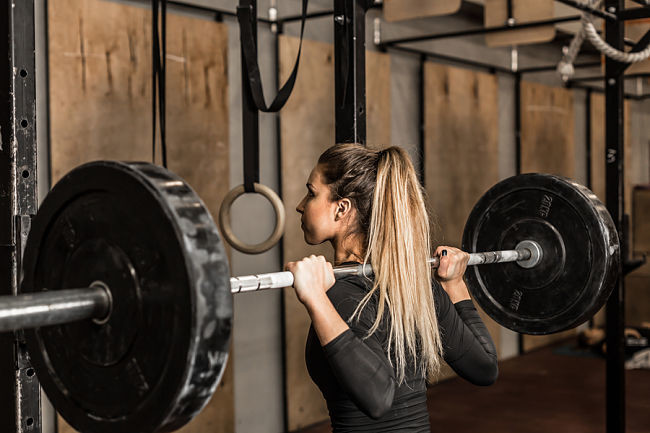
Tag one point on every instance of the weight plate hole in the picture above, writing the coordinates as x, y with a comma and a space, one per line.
24, 123
23, 73
102, 285
29, 422
30, 372
25, 174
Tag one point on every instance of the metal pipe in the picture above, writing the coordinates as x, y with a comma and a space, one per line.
634, 14
585, 7
317, 14
553, 67
601, 78
571, 84
54, 307
478, 31
459, 60
276, 280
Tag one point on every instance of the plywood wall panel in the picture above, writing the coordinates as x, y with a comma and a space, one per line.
401, 10
547, 146
461, 149
547, 130
496, 14
641, 218
307, 129
100, 108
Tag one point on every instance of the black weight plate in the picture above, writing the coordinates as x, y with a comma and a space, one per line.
144, 233
580, 246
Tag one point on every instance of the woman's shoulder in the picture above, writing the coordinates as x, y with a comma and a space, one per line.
348, 292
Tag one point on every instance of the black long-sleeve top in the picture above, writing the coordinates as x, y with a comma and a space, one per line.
357, 380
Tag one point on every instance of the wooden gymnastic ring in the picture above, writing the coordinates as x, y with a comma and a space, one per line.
226, 228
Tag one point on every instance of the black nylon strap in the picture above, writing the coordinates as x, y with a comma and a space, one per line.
158, 80
250, 114
162, 80
249, 48
155, 52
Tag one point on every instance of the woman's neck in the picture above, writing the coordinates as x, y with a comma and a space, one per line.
347, 249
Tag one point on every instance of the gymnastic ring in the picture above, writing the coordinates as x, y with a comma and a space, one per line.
226, 228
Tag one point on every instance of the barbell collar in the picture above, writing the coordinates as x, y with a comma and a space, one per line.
53, 307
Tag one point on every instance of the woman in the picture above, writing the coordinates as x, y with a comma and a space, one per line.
374, 342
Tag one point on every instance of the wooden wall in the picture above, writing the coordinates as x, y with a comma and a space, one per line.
547, 130
100, 108
547, 146
461, 152
307, 129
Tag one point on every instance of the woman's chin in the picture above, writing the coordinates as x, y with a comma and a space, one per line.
310, 239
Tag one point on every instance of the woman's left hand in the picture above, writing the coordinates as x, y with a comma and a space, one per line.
450, 272
453, 264
312, 278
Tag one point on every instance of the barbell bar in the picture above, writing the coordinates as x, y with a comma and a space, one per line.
156, 284
527, 254
33, 310
56, 307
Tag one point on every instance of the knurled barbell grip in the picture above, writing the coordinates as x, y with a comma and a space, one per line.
276, 280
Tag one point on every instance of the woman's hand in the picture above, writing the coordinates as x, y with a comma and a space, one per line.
453, 263
312, 278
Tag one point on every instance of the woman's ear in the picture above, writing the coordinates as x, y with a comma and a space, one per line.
343, 209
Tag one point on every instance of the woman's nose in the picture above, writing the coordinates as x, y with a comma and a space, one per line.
300, 208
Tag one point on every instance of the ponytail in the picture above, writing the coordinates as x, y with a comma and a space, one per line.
395, 226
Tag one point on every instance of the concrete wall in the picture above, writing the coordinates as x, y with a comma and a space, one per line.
257, 332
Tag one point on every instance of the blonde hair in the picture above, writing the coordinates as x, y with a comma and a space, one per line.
394, 224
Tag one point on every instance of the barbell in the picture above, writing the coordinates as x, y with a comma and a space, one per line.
49, 308
126, 299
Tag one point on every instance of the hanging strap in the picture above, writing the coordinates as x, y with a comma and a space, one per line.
158, 79
249, 48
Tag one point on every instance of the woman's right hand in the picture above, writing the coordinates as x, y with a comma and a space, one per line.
312, 278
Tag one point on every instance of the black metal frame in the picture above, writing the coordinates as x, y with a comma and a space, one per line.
606, 15
20, 402
220, 13
477, 31
350, 71
615, 199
